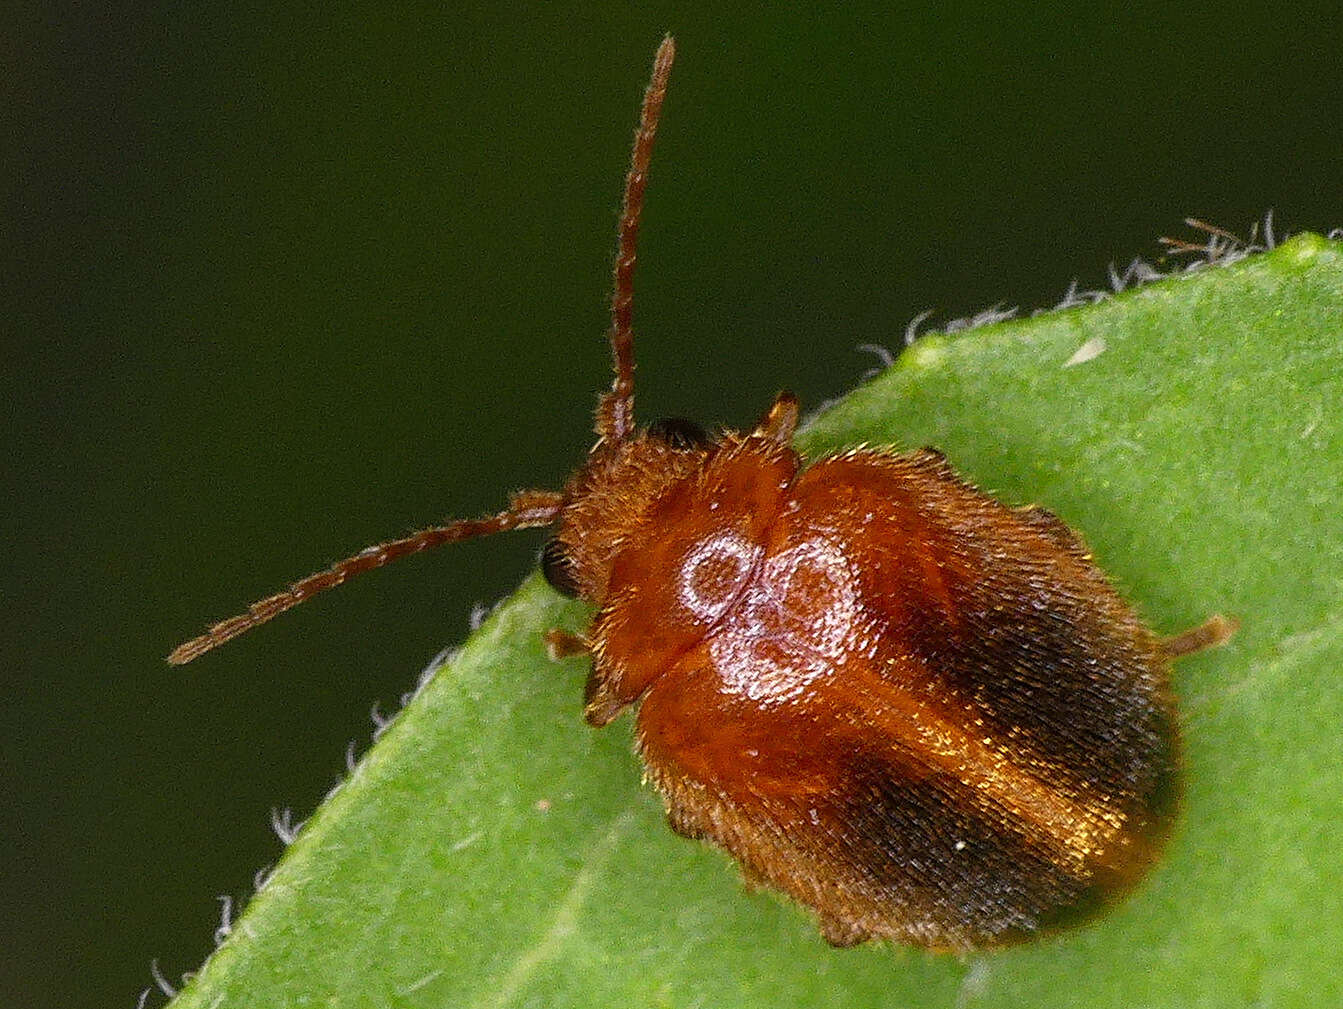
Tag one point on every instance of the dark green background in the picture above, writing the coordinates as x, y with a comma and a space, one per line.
281, 284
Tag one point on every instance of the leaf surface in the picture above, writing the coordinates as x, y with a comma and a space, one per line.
492, 851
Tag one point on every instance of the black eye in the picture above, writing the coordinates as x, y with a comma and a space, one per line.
679, 433
558, 569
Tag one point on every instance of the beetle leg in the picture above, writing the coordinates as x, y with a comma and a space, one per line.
560, 644
685, 824
600, 704
752, 881
842, 934
1214, 631
781, 421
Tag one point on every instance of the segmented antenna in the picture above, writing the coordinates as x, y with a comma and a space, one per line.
615, 415
527, 509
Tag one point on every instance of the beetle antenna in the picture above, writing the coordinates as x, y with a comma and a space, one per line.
526, 510
615, 415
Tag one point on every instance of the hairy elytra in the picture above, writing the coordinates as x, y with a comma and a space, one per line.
921, 713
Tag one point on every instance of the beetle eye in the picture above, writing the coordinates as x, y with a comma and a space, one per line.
557, 567
679, 433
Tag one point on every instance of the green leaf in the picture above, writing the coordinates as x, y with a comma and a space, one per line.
491, 850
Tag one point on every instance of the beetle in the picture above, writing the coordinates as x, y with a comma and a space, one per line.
921, 713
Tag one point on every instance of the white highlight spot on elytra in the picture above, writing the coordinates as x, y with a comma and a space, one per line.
714, 571
792, 624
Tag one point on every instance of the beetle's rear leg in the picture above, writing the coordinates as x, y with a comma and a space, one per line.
1214, 631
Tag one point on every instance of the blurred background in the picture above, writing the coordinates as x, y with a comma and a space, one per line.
280, 283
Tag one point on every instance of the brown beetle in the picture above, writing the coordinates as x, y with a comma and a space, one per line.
922, 713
